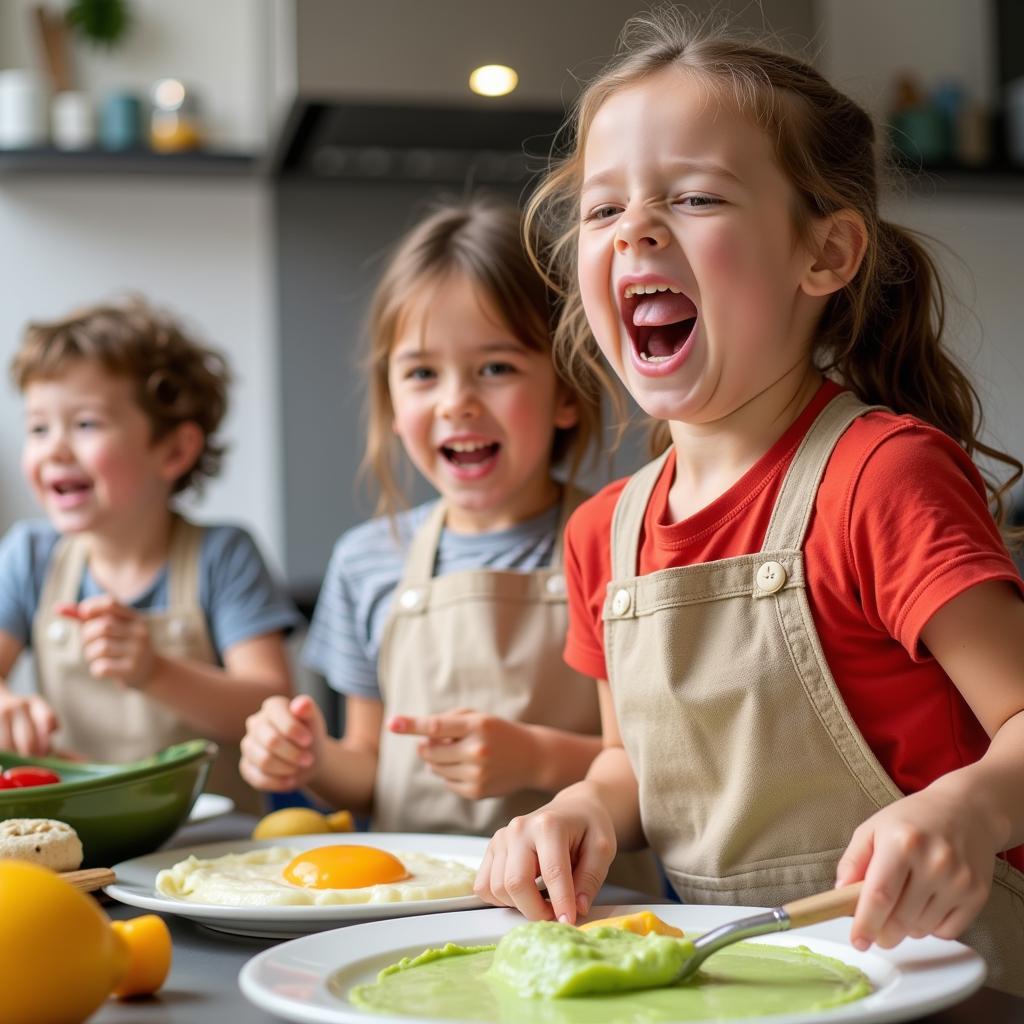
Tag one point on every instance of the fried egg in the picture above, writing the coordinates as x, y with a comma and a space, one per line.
282, 876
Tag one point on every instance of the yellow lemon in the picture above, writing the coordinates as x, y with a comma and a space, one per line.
149, 943
643, 923
301, 821
59, 957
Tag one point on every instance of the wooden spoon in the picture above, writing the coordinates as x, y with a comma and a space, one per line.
89, 879
53, 39
823, 906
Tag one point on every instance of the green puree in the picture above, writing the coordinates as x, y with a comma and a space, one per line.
555, 974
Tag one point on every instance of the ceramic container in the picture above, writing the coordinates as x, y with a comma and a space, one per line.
121, 122
118, 810
72, 122
22, 110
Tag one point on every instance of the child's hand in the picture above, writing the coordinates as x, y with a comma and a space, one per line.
569, 842
282, 744
26, 724
115, 640
926, 861
477, 755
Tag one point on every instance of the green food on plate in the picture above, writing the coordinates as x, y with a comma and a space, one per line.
555, 974
555, 960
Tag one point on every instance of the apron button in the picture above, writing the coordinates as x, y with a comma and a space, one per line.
771, 577
410, 599
555, 585
621, 602
57, 630
177, 628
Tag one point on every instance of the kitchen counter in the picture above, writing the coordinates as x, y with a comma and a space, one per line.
203, 983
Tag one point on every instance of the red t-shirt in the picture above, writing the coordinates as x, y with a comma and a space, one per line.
900, 526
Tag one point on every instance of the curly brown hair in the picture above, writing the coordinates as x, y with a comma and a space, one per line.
177, 379
881, 335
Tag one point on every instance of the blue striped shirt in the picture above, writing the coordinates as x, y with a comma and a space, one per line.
365, 569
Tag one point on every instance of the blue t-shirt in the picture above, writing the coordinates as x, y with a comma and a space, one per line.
238, 596
365, 569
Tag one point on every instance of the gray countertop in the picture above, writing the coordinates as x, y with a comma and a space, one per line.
203, 983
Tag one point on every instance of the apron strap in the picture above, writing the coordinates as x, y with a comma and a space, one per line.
64, 574
791, 516
183, 564
422, 556
628, 519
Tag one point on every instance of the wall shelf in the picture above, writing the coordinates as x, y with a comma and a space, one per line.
51, 161
999, 180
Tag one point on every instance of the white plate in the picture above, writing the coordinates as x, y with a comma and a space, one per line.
291, 980
136, 878
210, 805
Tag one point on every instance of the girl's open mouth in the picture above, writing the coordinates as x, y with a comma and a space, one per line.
660, 320
471, 459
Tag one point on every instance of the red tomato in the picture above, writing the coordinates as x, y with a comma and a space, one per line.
7, 784
29, 775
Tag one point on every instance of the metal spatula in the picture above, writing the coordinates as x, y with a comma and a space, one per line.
823, 906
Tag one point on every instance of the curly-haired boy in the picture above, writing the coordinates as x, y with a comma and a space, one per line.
146, 629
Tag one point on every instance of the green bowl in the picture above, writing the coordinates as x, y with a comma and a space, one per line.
118, 810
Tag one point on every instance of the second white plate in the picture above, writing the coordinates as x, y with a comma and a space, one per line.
136, 879
308, 980
210, 805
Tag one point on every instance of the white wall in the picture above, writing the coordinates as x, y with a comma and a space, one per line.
982, 254
223, 49
864, 46
199, 246
422, 51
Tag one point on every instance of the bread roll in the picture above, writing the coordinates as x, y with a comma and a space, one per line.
53, 844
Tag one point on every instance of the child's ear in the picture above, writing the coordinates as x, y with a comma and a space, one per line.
840, 241
181, 448
567, 412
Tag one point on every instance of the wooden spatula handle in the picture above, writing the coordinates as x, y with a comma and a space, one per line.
824, 906
89, 879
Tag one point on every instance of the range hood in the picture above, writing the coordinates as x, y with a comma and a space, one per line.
330, 138
379, 91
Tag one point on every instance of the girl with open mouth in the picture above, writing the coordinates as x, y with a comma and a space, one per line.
807, 630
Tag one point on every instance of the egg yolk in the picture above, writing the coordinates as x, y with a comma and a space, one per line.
343, 867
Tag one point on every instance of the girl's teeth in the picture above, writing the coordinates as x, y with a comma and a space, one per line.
459, 447
649, 289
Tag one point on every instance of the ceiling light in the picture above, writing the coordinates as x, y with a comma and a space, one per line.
493, 80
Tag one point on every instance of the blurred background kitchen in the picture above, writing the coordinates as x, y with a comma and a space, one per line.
246, 163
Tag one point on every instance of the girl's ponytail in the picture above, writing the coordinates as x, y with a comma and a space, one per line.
884, 341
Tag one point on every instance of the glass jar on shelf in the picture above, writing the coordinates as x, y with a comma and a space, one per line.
175, 125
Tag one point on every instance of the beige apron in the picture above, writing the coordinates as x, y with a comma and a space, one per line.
488, 640
752, 774
104, 720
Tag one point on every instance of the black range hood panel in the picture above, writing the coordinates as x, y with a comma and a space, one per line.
326, 139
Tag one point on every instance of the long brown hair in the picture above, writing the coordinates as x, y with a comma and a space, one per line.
881, 335
481, 239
